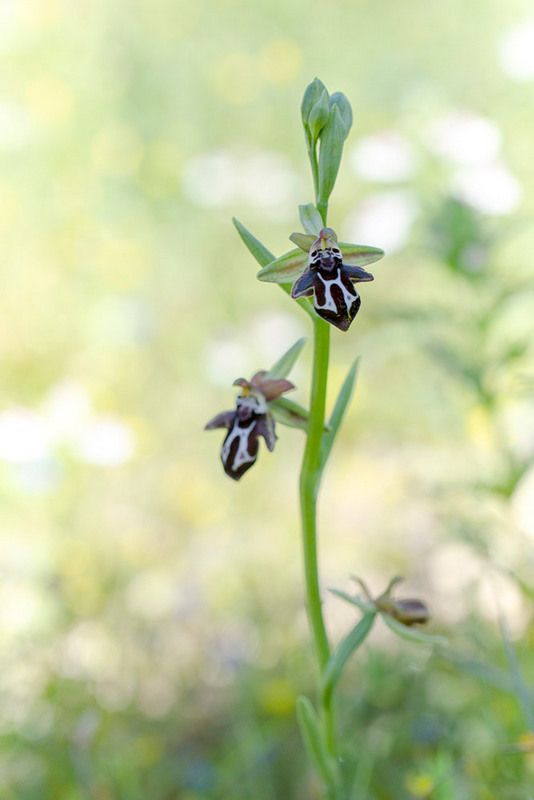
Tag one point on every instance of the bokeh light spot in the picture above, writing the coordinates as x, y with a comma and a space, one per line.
280, 61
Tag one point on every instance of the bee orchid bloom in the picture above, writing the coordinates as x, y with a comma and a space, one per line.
330, 282
250, 420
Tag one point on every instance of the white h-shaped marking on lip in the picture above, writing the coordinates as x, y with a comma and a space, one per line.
329, 302
242, 455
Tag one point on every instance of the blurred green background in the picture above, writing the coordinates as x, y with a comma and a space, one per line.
152, 631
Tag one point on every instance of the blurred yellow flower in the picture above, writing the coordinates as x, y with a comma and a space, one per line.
280, 61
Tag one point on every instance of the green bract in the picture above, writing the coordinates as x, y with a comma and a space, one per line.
330, 151
290, 266
319, 115
312, 94
312, 222
345, 110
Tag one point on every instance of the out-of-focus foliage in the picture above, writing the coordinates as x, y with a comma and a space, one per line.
152, 633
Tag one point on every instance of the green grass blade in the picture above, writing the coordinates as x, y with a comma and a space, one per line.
521, 690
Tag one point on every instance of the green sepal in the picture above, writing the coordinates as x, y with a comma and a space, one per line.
289, 413
359, 255
290, 266
412, 634
337, 415
365, 607
345, 110
330, 152
339, 658
315, 744
303, 240
312, 222
285, 363
312, 93
262, 255
285, 269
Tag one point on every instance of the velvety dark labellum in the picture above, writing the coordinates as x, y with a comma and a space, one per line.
246, 424
330, 282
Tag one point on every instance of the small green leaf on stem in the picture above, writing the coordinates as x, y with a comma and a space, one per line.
330, 152
258, 250
412, 634
336, 418
343, 652
285, 363
315, 743
311, 219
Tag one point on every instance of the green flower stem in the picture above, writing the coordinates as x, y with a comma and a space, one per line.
312, 154
310, 477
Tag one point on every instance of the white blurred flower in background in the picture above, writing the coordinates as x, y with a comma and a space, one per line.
516, 51
384, 157
490, 188
30, 437
222, 178
383, 219
464, 137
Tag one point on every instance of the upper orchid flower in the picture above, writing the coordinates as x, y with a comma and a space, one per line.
330, 281
250, 419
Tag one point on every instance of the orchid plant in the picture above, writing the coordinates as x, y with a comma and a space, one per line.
320, 275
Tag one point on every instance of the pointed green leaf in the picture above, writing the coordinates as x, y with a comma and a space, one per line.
285, 363
285, 269
264, 257
336, 418
303, 240
312, 221
312, 94
343, 652
315, 744
345, 110
330, 152
258, 250
358, 255
411, 634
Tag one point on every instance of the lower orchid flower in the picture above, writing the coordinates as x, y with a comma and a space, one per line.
251, 419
